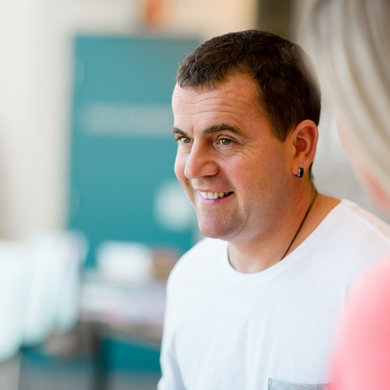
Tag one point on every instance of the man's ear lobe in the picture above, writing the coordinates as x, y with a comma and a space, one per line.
304, 143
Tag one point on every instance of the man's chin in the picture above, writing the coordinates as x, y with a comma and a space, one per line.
214, 232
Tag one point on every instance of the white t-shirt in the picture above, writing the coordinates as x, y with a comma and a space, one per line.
226, 330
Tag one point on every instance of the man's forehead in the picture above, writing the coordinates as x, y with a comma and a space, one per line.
232, 104
238, 95
238, 84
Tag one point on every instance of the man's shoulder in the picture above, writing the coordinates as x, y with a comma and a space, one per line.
364, 223
354, 239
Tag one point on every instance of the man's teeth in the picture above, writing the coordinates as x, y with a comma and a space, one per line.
212, 195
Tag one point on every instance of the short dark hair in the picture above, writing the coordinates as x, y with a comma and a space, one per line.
287, 91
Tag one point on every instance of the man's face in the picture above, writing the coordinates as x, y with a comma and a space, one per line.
234, 171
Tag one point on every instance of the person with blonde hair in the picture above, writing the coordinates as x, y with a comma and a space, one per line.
349, 42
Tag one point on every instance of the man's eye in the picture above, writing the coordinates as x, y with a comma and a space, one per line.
183, 140
225, 141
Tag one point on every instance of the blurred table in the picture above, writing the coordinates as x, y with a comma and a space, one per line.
130, 309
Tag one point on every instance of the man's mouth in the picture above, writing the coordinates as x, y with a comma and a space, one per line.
213, 195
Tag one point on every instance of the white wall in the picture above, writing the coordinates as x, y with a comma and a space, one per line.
35, 43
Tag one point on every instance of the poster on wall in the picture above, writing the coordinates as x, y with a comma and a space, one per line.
122, 183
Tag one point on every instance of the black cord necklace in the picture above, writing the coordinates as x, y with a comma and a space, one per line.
304, 218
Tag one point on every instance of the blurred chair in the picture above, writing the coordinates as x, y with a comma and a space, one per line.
55, 283
14, 287
15, 272
39, 294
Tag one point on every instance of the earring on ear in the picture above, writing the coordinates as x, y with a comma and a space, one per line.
300, 172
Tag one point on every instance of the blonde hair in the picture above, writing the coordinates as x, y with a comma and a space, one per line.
349, 42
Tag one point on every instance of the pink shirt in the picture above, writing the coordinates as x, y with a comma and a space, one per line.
362, 355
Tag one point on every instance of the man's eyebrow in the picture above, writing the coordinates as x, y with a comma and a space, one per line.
213, 129
223, 127
176, 130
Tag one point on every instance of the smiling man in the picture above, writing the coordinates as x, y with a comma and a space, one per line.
252, 306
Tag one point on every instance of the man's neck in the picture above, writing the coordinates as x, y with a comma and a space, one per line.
264, 252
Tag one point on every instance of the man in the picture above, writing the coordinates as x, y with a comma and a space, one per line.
253, 306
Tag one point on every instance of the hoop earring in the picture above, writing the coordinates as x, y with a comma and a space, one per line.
300, 172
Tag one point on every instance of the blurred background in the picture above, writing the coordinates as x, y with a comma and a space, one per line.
91, 217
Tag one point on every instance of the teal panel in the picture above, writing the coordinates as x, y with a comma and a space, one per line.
122, 148
130, 355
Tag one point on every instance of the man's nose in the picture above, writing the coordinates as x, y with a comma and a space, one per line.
201, 162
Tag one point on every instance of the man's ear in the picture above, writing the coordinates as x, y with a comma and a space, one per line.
304, 143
